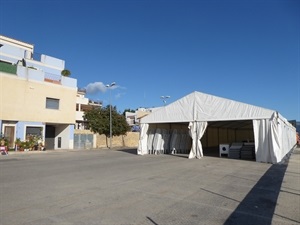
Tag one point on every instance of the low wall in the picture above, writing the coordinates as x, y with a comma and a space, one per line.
131, 139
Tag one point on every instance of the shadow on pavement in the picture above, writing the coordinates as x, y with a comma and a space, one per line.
180, 155
259, 205
129, 150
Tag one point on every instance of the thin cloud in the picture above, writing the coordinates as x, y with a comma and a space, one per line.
117, 96
96, 87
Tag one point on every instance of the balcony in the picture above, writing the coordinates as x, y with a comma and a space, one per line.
79, 116
31, 73
52, 78
81, 90
95, 103
130, 121
8, 68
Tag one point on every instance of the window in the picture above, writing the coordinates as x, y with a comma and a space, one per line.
36, 131
52, 103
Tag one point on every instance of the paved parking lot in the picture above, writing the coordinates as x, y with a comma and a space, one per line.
118, 187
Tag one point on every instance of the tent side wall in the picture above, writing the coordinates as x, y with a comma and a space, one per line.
163, 138
274, 139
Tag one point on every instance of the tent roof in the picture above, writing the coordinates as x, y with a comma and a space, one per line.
198, 106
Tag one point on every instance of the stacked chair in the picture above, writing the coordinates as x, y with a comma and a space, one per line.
248, 151
161, 141
235, 150
166, 141
175, 142
242, 151
151, 133
157, 142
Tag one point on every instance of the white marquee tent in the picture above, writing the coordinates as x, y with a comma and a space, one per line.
274, 136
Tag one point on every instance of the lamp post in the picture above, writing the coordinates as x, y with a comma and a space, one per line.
164, 98
110, 119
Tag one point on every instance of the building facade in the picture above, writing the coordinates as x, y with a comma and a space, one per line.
35, 99
133, 118
83, 105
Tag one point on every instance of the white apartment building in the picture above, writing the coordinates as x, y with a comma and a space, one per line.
133, 118
83, 105
35, 99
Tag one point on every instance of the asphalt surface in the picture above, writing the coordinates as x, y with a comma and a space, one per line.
118, 187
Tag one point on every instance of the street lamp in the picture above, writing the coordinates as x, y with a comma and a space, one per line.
110, 119
164, 98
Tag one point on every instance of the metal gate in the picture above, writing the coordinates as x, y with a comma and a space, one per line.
83, 141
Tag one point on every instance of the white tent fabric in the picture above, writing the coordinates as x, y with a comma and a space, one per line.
157, 141
274, 138
198, 106
197, 130
261, 138
274, 135
174, 140
142, 148
166, 141
151, 133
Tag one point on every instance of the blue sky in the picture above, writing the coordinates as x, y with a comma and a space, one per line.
244, 50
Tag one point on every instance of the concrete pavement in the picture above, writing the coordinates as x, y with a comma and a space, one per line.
288, 202
119, 187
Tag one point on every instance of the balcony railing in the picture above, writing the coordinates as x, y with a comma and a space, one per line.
8, 68
82, 90
52, 78
95, 102
130, 121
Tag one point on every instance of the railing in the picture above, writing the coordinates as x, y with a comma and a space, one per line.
95, 102
130, 121
79, 115
8, 68
83, 90
52, 78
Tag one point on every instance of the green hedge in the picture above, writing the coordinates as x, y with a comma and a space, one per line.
8, 68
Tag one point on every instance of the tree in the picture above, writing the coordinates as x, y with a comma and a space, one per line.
66, 73
99, 121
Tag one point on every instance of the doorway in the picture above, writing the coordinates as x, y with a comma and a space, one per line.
9, 133
50, 137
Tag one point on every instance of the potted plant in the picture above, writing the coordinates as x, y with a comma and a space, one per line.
66, 73
22, 146
26, 146
18, 144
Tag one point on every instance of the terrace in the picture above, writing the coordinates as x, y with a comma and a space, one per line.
33, 73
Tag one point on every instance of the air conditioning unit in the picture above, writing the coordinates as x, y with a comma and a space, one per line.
224, 149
